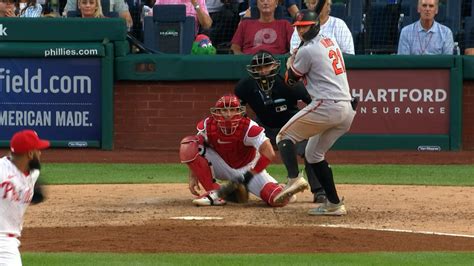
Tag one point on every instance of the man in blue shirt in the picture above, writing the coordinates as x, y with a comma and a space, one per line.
426, 36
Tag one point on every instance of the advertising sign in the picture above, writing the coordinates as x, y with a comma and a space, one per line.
58, 97
401, 101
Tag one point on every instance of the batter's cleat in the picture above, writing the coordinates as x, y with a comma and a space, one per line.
319, 197
329, 209
293, 186
209, 199
293, 199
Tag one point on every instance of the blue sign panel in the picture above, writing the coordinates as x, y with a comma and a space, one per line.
60, 98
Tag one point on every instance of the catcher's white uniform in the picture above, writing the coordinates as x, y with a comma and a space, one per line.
232, 156
16, 192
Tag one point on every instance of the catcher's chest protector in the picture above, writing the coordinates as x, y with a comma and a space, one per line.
231, 147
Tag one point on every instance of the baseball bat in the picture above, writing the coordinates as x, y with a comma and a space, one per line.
319, 6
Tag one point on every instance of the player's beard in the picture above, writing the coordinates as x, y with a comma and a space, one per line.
34, 163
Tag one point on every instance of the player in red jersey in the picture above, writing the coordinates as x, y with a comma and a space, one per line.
229, 146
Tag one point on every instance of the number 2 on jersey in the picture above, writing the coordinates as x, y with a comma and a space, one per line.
337, 61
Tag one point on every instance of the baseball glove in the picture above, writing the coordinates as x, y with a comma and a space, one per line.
234, 192
38, 194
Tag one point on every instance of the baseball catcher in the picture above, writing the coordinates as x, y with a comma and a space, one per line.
229, 146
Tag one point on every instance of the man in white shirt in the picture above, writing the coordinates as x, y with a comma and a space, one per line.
331, 26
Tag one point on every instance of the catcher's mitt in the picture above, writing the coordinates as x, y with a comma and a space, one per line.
234, 192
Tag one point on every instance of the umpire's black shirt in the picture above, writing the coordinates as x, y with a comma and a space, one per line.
284, 104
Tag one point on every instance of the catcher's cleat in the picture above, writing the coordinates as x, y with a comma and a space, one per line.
209, 199
329, 209
293, 186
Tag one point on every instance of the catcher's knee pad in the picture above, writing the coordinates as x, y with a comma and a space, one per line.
269, 192
191, 147
190, 153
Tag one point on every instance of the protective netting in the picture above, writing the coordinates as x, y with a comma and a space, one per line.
375, 25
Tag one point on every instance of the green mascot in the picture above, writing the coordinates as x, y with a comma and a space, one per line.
202, 45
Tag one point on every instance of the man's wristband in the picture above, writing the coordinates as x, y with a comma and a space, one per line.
261, 164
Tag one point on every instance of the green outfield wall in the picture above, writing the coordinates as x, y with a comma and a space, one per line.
76, 82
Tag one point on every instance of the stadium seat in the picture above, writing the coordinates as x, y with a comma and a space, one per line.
410, 12
382, 28
468, 33
339, 10
355, 21
169, 30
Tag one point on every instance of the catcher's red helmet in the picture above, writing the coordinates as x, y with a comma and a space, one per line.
228, 112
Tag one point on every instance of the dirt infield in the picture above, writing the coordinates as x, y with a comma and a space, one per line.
141, 218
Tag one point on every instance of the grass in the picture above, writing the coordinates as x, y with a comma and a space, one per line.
381, 258
81, 173
77, 173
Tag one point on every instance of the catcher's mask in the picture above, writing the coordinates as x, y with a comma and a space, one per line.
263, 68
306, 17
228, 112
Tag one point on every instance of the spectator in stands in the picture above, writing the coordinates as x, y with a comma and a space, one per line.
90, 9
264, 33
194, 8
28, 9
225, 18
426, 36
118, 6
331, 26
290, 5
3, 8
10, 8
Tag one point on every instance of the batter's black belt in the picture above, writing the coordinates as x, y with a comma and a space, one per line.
354, 102
332, 101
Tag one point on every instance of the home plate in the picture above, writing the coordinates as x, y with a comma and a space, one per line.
190, 218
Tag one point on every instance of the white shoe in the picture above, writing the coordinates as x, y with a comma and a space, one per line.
209, 199
330, 209
293, 186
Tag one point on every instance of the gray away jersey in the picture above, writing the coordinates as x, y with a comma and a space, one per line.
321, 64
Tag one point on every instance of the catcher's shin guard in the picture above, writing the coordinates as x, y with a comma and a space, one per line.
269, 192
190, 153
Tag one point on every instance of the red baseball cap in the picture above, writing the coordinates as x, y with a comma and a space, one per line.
27, 140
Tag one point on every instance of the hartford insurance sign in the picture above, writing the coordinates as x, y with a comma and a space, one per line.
401, 101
